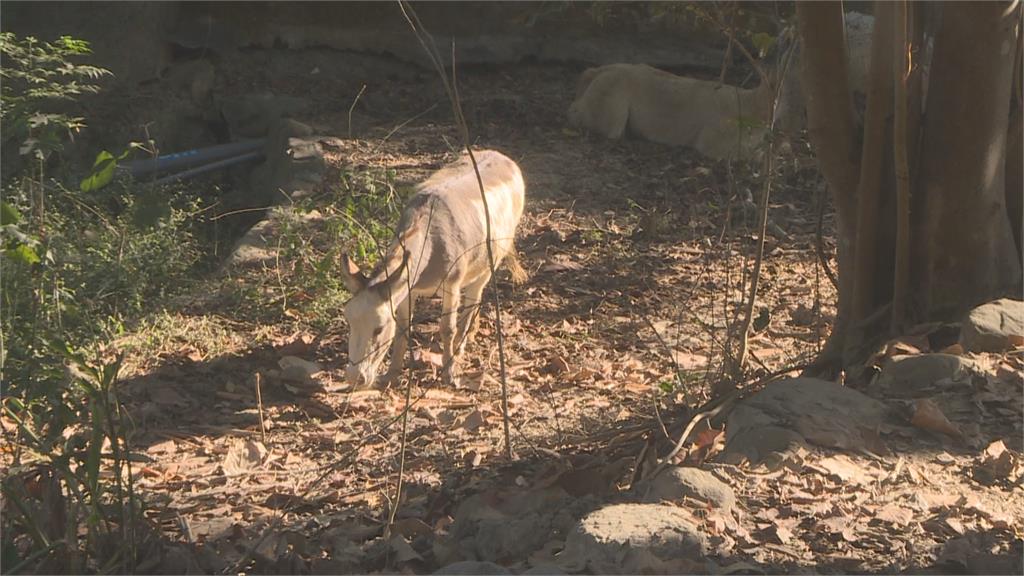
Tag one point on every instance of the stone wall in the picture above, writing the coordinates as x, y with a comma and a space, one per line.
136, 40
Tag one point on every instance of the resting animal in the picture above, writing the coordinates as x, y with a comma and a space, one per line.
717, 120
440, 247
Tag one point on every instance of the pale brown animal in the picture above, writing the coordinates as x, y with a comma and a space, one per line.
440, 248
717, 120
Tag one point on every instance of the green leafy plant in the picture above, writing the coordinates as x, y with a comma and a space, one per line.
40, 80
70, 504
358, 217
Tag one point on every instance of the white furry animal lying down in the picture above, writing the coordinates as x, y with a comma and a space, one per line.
717, 120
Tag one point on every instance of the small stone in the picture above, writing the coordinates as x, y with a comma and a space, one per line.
676, 483
993, 327
296, 369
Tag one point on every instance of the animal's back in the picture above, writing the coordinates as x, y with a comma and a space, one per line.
449, 206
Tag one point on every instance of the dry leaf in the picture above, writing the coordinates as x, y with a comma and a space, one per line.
474, 420
556, 365
928, 416
560, 263
782, 534
895, 514
688, 360
165, 447
842, 467
998, 463
243, 457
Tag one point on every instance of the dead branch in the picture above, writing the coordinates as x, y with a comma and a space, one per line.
820, 243
352, 107
451, 88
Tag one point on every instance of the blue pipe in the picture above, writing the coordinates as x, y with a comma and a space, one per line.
190, 158
210, 167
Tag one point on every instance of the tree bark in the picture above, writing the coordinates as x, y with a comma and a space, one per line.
832, 129
874, 183
965, 238
903, 44
1015, 149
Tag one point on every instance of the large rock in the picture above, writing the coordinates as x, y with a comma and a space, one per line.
994, 326
789, 412
912, 376
635, 539
509, 526
681, 482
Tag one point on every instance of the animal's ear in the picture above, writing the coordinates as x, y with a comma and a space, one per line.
351, 275
395, 276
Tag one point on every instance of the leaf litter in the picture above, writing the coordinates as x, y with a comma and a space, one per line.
586, 374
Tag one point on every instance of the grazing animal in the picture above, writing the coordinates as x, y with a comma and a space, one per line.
717, 120
440, 248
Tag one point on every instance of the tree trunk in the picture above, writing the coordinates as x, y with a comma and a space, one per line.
965, 238
1015, 150
832, 129
1015, 178
951, 153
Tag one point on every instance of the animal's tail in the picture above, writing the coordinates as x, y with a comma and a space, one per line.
515, 268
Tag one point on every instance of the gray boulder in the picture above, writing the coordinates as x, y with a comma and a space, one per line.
678, 482
993, 327
509, 528
788, 413
635, 539
912, 376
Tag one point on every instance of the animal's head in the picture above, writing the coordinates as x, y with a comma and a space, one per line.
371, 318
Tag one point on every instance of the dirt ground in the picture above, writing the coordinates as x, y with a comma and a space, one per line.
636, 252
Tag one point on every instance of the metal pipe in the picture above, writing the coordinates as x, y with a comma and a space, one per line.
190, 158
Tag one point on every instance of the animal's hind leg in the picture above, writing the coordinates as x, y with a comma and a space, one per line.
469, 316
450, 297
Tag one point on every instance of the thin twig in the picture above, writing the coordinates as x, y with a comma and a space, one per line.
351, 108
820, 243
403, 125
720, 405
713, 408
259, 406
451, 87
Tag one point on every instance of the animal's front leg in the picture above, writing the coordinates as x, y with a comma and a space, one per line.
400, 344
449, 310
